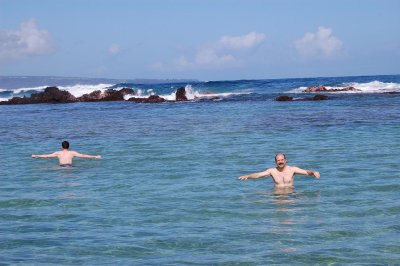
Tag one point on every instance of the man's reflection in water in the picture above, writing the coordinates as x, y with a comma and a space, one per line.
290, 215
68, 184
284, 198
284, 222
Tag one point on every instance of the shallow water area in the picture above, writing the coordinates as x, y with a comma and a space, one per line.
167, 191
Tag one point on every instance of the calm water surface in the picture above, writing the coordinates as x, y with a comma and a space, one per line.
166, 191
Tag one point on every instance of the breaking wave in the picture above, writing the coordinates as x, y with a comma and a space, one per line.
368, 87
168, 94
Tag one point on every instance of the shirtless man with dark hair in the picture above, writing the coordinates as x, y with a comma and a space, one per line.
65, 155
282, 174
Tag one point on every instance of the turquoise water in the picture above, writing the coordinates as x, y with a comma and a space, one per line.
166, 191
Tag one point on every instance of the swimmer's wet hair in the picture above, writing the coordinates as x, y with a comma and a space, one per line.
65, 144
276, 155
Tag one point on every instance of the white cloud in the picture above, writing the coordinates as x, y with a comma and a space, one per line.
27, 41
114, 49
227, 51
241, 42
320, 44
210, 56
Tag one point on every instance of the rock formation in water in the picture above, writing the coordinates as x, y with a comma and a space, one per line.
55, 95
324, 89
181, 94
49, 95
151, 99
285, 98
107, 95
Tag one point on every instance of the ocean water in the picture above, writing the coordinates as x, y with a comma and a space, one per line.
166, 191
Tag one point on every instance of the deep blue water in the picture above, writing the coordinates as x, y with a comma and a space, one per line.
166, 191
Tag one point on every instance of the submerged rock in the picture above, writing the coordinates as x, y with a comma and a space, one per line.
350, 88
285, 98
151, 99
319, 97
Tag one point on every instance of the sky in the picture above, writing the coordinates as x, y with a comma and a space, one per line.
199, 39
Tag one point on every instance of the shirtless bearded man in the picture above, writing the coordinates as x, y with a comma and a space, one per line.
282, 174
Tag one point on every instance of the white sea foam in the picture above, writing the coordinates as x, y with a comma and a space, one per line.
368, 87
139, 93
76, 90
79, 90
376, 87
193, 95
169, 97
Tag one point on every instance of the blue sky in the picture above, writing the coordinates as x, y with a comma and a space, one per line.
199, 39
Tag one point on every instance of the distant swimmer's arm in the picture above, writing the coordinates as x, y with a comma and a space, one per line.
256, 175
52, 155
87, 156
300, 171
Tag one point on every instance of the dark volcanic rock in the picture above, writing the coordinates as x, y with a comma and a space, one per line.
17, 100
349, 88
114, 95
315, 88
151, 99
50, 95
127, 91
323, 88
319, 97
108, 95
181, 94
284, 98
55, 95
91, 97
208, 99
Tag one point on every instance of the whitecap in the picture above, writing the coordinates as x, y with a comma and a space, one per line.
367, 87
